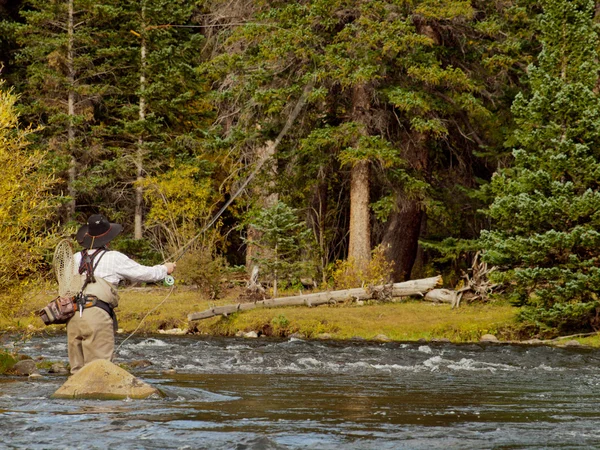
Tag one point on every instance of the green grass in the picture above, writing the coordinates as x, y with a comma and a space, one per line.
148, 310
402, 321
7, 361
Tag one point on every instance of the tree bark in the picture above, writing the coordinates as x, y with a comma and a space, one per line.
71, 113
401, 237
139, 160
359, 246
408, 288
360, 224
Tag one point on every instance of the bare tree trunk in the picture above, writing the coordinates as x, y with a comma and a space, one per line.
360, 224
139, 161
359, 247
401, 238
71, 113
421, 258
317, 213
405, 289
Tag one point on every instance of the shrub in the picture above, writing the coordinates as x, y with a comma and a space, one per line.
24, 208
204, 269
378, 272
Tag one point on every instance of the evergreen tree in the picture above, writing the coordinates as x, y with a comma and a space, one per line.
115, 87
284, 241
68, 49
159, 115
396, 110
546, 212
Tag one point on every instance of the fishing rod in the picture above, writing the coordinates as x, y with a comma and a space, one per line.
169, 280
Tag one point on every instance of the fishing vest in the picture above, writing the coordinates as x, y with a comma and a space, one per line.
96, 286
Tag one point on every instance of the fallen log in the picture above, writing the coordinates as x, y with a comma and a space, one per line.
404, 289
441, 296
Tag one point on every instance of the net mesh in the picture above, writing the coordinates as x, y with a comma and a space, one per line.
64, 268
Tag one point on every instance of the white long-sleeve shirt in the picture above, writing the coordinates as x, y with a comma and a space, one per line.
115, 266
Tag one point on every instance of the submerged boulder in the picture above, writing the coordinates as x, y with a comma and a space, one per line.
103, 380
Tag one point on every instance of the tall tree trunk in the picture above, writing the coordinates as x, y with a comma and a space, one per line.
359, 246
71, 112
401, 237
360, 224
317, 213
139, 162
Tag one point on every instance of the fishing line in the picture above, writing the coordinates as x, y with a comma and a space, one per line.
178, 255
291, 118
144, 318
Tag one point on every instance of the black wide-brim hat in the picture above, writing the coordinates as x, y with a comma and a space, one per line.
98, 232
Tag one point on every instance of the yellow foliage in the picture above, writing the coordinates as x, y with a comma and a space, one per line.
180, 203
346, 274
24, 205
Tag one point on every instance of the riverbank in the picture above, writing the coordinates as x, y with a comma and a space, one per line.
162, 310
165, 310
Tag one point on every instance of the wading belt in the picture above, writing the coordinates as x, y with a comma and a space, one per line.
91, 300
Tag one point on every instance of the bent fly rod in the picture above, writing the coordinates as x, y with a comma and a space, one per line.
169, 280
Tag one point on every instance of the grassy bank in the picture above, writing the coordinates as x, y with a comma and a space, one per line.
154, 310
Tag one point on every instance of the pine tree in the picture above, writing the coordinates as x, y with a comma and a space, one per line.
115, 87
546, 212
284, 241
68, 49
388, 100
161, 119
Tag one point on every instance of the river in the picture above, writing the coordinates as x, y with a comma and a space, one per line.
268, 394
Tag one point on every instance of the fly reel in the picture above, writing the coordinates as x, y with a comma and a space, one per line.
169, 281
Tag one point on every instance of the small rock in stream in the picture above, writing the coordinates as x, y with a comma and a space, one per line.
58, 368
26, 367
381, 338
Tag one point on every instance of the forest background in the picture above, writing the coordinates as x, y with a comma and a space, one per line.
368, 140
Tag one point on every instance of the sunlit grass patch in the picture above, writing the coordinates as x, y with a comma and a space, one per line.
7, 361
155, 308
405, 321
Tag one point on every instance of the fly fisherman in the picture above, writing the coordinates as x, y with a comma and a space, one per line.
90, 332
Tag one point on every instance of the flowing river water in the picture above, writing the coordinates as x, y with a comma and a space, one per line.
268, 394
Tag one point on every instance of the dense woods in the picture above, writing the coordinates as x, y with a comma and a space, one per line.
370, 139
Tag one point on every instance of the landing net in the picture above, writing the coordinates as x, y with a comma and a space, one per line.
64, 268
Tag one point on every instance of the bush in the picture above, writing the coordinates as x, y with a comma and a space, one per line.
204, 269
346, 275
24, 208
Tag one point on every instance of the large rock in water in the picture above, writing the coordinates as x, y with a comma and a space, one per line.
103, 380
